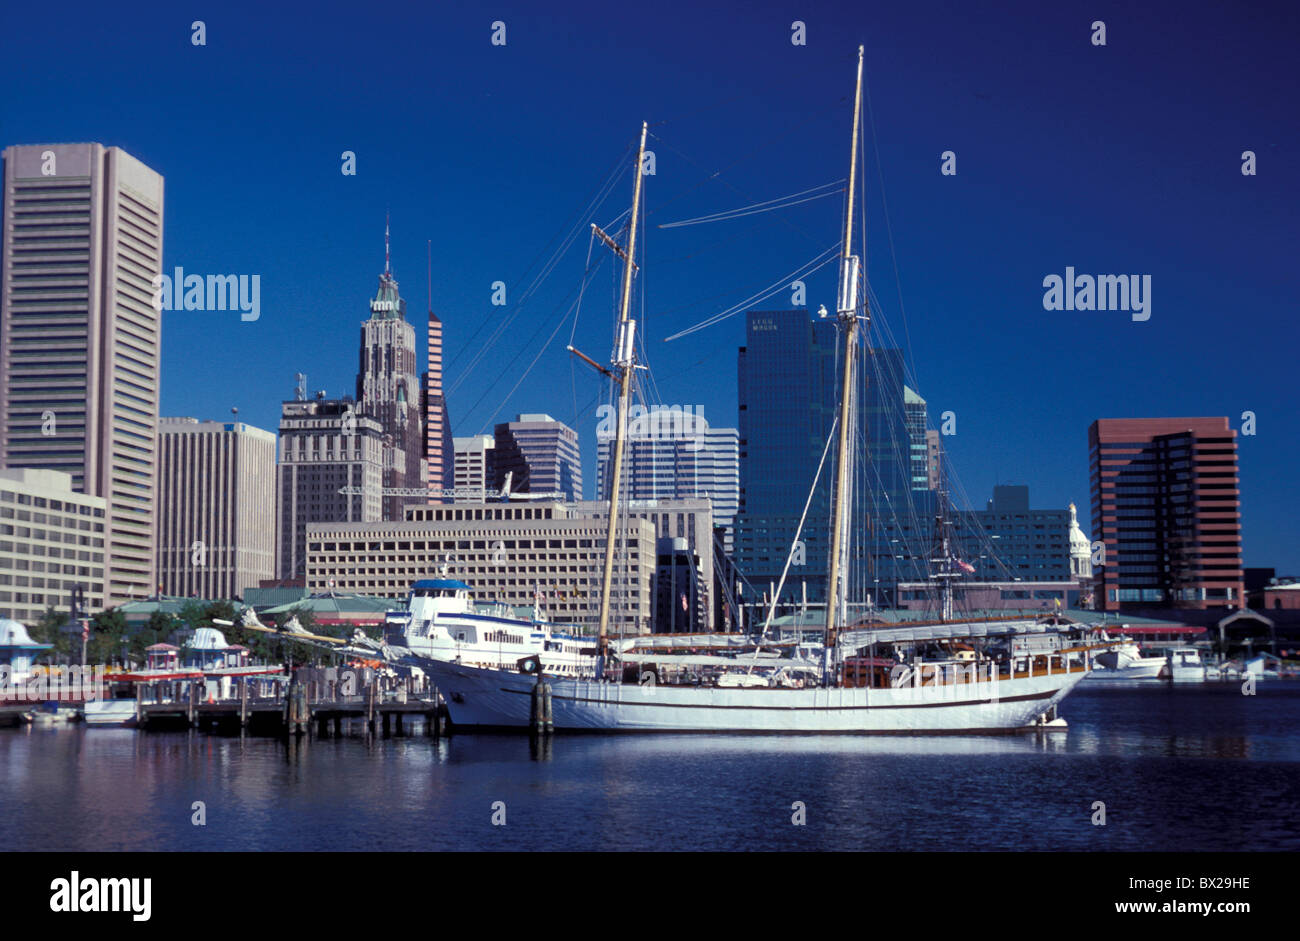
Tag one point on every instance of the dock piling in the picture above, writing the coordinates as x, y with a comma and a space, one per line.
540, 718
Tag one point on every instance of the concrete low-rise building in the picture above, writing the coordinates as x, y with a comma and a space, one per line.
516, 553
51, 541
688, 519
978, 598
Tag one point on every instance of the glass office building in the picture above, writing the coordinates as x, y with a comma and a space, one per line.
788, 375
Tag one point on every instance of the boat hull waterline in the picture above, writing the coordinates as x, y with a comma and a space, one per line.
495, 699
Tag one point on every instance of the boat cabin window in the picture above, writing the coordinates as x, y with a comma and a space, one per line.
438, 593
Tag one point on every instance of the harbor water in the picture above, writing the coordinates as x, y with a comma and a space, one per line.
1183, 768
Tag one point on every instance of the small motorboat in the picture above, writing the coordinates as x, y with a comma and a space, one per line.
1125, 662
50, 715
110, 712
1186, 666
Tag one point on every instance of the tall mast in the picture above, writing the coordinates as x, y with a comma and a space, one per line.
836, 585
943, 545
623, 366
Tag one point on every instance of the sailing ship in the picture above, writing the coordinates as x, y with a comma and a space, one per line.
927, 677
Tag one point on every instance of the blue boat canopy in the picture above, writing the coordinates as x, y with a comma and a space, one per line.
441, 583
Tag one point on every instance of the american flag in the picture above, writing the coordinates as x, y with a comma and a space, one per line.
966, 567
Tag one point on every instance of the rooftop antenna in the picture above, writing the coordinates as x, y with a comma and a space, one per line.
387, 268
430, 273
234, 410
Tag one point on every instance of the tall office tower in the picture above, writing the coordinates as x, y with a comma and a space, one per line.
79, 335
440, 453
670, 454
541, 456
325, 447
216, 481
388, 389
917, 416
788, 377
1167, 505
475, 467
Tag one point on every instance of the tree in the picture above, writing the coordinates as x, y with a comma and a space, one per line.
194, 614
47, 631
159, 626
220, 611
110, 620
108, 630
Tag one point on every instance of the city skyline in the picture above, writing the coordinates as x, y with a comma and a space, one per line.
1023, 382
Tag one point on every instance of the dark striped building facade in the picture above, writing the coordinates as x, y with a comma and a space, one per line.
1166, 503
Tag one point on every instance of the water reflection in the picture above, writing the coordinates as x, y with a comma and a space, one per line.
1180, 769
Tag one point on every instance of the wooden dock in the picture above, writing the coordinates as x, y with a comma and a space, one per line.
304, 709
314, 703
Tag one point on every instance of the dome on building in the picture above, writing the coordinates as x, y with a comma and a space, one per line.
1080, 548
208, 638
14, 634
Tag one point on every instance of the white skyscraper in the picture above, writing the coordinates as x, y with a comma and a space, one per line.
79, 336
678, 459
474, 467
216, 484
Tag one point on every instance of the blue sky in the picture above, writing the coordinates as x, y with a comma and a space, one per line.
1117, 159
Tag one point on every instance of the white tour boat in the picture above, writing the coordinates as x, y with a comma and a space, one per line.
442, 623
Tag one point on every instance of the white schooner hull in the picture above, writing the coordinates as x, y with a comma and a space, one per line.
497, 699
